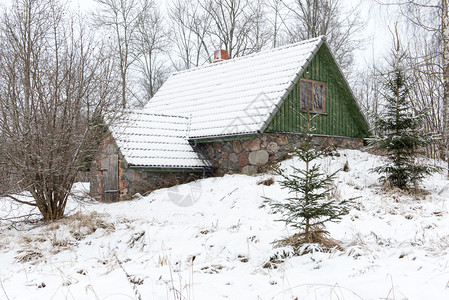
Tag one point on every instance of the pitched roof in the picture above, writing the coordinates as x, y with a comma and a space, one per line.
156, 141
237, 96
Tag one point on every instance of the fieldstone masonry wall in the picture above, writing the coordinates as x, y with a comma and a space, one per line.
140, 181
132, 181
248, 156
254, 155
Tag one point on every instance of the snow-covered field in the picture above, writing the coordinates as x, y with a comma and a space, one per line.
211, 239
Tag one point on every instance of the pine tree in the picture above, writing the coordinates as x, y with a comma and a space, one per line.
400, 132
311, 206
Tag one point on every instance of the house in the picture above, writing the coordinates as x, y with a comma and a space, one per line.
232, 116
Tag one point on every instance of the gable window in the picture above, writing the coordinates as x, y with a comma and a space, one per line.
315, 91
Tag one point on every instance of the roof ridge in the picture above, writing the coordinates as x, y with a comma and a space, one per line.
316, 39
144, 112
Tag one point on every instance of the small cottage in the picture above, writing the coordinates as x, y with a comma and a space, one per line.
232, 116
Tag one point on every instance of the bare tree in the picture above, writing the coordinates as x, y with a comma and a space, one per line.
55, 94
121, 19
277, 15
427, 88
429, 18
367, 90
312, 18
151, 43
189, 25
445, 38
238, 25
199, 27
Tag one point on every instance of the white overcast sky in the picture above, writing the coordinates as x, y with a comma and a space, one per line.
377, 33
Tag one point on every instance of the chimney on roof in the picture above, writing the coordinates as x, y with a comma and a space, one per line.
220, 55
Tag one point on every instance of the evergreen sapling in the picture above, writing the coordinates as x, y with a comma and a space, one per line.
311, 206
400, 133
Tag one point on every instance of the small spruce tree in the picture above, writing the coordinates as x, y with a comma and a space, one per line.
310, 206
400, 131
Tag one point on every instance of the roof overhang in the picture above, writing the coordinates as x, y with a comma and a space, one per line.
171, 169
220, 138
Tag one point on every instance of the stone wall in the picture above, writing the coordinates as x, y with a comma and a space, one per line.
140, 181
250, 156
246, 156
132, 181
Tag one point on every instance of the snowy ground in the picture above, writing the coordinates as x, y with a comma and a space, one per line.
210, 240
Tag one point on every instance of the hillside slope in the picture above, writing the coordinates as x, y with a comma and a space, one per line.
211, 239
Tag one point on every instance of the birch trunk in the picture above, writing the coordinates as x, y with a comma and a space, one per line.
445, 35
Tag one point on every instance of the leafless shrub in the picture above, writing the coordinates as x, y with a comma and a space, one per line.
56, 97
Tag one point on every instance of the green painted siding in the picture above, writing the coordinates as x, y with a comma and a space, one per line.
342, 116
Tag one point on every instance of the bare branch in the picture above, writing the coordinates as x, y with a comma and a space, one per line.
19, 201
56, 97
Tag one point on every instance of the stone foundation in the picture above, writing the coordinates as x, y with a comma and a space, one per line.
248, 156
132, 181
254, 155
142, 182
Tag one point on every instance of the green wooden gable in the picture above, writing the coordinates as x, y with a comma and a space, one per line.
342, 116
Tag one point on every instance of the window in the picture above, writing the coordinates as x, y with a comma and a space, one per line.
315, 91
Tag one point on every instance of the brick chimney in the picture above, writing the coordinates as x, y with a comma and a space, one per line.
220, 55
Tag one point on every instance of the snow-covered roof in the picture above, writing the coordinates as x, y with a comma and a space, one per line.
156, 141
233, 97
237, 96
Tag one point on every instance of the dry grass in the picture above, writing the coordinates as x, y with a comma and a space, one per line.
137, 238
269, 181
298, 240
63, 234
82, 225
415, 192
298, 244
28, 256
